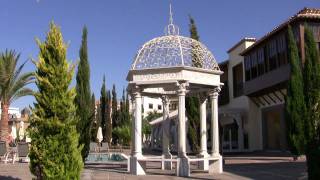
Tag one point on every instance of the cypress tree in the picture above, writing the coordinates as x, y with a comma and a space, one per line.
311, 81
295, 105
103, 108
127, 103
122, 131
193, 29
123, 101
115, 113
194, 35
83, 97
312, 98
95, 120
109, 120
192, 103
114, 104
55, 151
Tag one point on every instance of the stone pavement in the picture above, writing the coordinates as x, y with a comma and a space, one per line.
236, 167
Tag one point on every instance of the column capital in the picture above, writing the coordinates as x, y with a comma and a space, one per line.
136, 91
202, 97
165, 99
214, 92
182, 88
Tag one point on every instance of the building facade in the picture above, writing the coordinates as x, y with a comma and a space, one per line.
257, 72
150, 104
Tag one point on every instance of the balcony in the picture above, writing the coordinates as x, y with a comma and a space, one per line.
268, 80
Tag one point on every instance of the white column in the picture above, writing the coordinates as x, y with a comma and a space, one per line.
203, 126
165, 125
166, 134
214, 122
133, 102
137, 167
215, 164
183, 164
203, 165
182, 122
137, 150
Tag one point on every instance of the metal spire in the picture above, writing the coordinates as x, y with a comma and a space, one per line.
171, 15
171, 29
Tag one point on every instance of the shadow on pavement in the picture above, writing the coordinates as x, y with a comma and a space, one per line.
271, 170
8, 178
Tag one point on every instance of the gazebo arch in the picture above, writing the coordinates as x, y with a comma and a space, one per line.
174, 66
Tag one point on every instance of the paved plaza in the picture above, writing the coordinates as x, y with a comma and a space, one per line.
236, 167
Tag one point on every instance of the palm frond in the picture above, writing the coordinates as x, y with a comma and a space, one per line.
21, 82
20, 93
12, 82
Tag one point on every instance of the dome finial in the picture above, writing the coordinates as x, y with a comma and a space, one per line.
171, 29
171, 18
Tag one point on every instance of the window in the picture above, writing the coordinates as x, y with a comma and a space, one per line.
159, 107
237, 80
247, 67
266, 62
272, 55
261, 61
254, 65
282, 50
315, 28
173, 106
150, 106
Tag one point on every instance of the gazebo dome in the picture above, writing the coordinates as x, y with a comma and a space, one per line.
172, 67
174, 50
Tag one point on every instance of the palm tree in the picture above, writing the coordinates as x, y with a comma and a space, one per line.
12, 86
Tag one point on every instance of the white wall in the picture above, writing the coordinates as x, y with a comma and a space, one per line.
13, 110
154, 101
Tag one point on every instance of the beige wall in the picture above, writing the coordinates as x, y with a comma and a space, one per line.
252, 113
255, 127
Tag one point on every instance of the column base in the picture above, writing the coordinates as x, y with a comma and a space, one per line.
203, 165
166, 165
215, 164
137, 167
183, 167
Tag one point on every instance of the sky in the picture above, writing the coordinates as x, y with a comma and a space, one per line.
118, 28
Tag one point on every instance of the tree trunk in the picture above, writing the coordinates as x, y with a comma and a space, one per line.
4, 122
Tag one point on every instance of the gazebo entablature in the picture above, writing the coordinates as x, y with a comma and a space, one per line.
164, 81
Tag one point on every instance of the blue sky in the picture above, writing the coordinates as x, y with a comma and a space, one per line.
118, 28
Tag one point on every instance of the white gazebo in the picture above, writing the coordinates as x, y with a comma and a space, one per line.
174, 66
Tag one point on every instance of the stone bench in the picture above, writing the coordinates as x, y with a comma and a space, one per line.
143, 161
